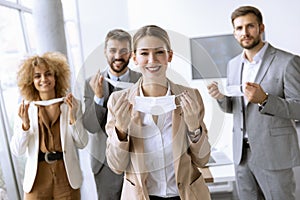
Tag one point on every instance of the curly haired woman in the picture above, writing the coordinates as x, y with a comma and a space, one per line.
49, 129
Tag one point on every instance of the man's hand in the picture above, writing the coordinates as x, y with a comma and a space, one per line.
214, 91
254, 93
96, 84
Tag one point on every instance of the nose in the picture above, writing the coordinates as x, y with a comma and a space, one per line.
151, 57
245, 31
43, 77
118, 54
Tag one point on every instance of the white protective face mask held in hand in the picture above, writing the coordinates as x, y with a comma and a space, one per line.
234, 91
155, 105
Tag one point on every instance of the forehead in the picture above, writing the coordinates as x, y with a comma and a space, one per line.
41, 68
118, 44
246, 19
150, 42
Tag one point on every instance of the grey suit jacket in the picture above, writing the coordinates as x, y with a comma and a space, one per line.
271, 130
94, 120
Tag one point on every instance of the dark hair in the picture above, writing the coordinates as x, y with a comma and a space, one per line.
244, 10
151, 30
118, 34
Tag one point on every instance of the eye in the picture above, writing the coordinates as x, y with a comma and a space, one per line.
238, 28
144, 53
160, 52
37, 76
48, 73
112, 51
124, 51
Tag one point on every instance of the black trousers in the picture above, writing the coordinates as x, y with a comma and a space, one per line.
163, 198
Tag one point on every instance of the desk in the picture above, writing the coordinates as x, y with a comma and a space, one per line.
218, 173
219, 178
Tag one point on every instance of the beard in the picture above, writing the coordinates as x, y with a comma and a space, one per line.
251, 45
121, 68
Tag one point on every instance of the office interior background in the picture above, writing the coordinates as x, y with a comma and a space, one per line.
85, 24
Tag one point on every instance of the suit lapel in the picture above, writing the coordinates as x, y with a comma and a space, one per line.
267, 60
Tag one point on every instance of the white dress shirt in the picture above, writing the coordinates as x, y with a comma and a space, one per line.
159, 154
250, 71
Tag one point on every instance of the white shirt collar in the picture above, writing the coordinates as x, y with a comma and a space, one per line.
258, 56
124, 77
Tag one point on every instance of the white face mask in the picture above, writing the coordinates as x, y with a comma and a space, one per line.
155, 105
233, 91
119, 84
48, 102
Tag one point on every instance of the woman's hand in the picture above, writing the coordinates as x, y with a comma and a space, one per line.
122, 110
23, 114
191, 111
73, 106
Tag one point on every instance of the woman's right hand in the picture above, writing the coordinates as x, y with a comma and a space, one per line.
23, 114
122, 110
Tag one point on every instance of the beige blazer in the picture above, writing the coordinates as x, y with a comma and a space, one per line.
72, 137
128, 156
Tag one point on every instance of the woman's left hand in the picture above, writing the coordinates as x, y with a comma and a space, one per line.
191, 111
73, 106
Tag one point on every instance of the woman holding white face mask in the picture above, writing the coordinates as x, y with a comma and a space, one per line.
156, 132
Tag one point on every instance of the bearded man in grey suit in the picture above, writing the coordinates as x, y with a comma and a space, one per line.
265, 143
117, 50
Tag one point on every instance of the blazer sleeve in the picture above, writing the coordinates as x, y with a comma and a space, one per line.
94, 114
22, 139
117, 152
287, 106
200, 151
78, 132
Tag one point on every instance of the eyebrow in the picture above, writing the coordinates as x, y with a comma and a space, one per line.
147, 48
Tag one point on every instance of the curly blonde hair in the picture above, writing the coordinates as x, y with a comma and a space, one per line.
54, 61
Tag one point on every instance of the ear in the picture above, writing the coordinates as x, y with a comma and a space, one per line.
105, 53
261, 28
170, 55
235, 36
133, 56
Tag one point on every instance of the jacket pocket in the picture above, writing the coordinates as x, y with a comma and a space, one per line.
282, 131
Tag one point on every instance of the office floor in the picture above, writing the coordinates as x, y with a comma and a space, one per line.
233, 195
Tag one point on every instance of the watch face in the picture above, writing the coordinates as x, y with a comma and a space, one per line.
197, 132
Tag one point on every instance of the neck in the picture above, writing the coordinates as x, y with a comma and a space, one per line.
250, 53
47, 96
118, 74
155, 89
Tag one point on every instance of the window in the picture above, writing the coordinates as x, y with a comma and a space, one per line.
17, 39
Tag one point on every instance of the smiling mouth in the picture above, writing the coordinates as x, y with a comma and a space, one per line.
154, 68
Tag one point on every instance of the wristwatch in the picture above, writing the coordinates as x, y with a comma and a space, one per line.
262, 104
195, 133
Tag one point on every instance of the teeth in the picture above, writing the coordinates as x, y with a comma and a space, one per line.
153, 68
